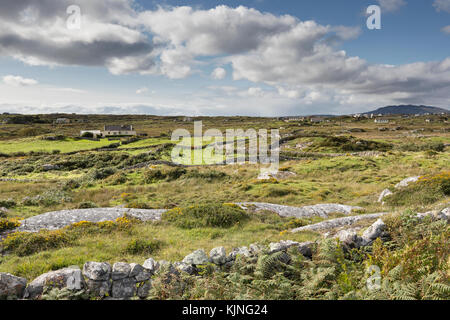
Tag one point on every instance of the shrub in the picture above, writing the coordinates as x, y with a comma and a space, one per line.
100, 174
9, 203
169, 174
140, 246
26, 243
206, 215
87, 205
351, 144
8, 224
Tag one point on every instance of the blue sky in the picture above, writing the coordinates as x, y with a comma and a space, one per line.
267, 58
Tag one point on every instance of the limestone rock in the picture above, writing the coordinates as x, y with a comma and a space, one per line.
11, 287
188, 268
281, 246
151, 265
406, 182
98, 271
218, 255
349, 239
99, 288
120, 270
123, 288
143, 288
242, 251
385, 193
139, 273
70, 278
305, 248
373, 232
197, 257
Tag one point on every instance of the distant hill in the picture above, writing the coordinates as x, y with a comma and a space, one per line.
408, 109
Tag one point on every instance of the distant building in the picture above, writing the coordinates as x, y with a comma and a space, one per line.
316, 120
383, 121
62, 121
118, 131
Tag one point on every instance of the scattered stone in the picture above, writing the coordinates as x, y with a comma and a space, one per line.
151, 265
406, 182
385, 193
120, 270
349, 239
281, 246
242, 251
197, 257
188, 268
218, 255
139, 273
98, 271
50, 167
11, 287
373, 232
123, 288
70, 278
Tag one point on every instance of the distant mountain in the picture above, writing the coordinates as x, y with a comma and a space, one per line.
408, 109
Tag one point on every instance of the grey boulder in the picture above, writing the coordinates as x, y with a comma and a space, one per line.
98, 271
373, 232
120, 270
11, 287
197, 257
123, 288
218, 255
151, 265
70, 278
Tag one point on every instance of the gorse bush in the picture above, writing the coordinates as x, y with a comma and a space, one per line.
8, 224
206, 215
27, 243
427, 190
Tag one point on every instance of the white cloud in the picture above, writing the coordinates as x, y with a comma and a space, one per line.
446, 29
18, 81
391, 5
442, 5
300, 60
142, 90
219, 73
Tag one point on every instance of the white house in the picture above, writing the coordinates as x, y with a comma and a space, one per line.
118, 130
384, 121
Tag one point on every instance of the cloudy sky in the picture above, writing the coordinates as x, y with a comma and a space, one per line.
208, 57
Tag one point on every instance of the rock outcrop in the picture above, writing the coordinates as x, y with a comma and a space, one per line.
60, 219
339, 222
406, 182
318, 210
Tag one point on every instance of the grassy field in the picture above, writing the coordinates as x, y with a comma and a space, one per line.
103, 179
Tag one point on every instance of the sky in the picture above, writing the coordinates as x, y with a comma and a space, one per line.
253, 58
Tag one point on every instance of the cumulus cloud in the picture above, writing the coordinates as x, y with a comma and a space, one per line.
391, 5
300, 60
219, 73
18, 81
142, 90
442, 5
